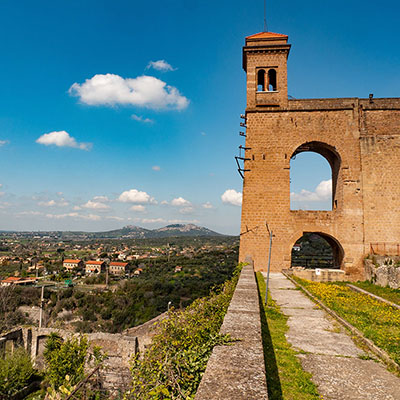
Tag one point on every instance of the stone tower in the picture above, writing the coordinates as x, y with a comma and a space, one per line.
360, 139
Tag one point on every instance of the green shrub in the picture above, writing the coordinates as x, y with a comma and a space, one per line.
65, 359
16, 371
173, 365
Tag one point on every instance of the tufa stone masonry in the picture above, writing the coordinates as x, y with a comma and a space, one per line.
360, 138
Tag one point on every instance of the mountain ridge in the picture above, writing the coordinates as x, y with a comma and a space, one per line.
128, 231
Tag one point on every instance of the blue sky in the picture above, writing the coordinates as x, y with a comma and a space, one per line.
86, 143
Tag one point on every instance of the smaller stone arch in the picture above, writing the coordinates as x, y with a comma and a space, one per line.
337, 249
331, 155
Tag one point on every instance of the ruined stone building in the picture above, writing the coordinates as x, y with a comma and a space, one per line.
360, 138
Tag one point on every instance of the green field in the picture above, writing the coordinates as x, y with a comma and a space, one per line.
386, 293
378, 321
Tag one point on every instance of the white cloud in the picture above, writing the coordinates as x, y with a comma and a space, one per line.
90, 217
62, 139
4, 142
186, 210
160, 65
155, 168
102, 199
138, 208
164, 203
28, 213
53, 203
207, 205
77, 208
114, 218
183, 221
139, 118
136, 196
180, 202
322, 192
96, 205
49, 203
231, 196
143, 91
153, 220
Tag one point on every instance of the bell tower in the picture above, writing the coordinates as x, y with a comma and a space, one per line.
265, 62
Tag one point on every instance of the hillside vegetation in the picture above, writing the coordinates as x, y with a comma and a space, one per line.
126, 303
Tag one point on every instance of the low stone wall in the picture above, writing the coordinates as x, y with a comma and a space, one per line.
119, 348
237, 371
318, 275
383, 271
145, 332
14, 338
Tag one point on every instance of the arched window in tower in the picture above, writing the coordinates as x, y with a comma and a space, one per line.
261, 81
272, 80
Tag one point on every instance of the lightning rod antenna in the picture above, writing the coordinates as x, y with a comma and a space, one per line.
265, 16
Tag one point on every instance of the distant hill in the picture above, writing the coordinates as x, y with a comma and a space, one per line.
136, 232
184, 230
129, 231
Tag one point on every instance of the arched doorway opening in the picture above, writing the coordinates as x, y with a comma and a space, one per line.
314, 172
317, 250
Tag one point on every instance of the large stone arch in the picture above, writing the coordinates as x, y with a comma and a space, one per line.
330, 153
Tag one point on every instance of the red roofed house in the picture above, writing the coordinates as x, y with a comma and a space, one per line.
9, 281
118, 268
12, 280
70, 264
95, 267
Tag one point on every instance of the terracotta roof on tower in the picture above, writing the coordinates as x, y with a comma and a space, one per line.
266, 35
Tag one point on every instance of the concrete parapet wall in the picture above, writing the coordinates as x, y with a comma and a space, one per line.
319, 275
237, 371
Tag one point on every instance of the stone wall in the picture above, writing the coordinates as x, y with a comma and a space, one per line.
383, 271
237, 371
119, 348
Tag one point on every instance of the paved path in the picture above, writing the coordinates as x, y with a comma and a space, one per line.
328, 353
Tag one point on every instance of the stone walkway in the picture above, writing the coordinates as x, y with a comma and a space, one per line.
328, 353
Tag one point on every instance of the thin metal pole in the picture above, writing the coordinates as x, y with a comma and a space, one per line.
269, 264
265, 15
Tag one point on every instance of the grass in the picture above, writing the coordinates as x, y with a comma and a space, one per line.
386, 293
286, 378
378, 321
